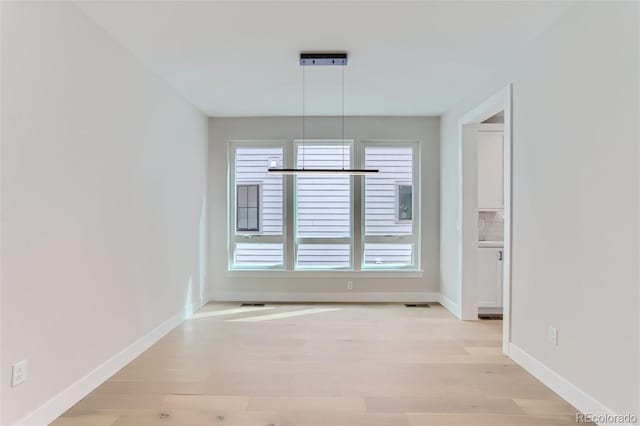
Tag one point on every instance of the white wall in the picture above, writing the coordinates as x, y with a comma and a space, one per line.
238, 285
103, 186
575, 199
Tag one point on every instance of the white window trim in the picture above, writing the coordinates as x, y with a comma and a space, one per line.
319, 273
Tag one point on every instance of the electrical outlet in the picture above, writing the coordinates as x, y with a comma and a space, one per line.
350, 285
553, 336
19, 373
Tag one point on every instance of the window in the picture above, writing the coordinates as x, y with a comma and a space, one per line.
389, 231
256, 208
248, 207
259, 255
404, 203
324, 228
323, 256
323, 207
387, 254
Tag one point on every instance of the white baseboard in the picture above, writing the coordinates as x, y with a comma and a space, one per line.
450, 305
61, 402
233, 296
575, 396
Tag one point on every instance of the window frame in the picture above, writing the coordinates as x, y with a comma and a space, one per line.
297, 241
260, 205
234, 237
414, 237
357, 239
398, 184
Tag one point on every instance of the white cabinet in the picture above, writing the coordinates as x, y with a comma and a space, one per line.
490, 277
490, 170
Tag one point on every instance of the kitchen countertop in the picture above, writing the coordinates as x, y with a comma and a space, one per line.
490, 244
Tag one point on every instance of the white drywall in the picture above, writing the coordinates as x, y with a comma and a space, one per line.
327, 285
575, 199
103, 191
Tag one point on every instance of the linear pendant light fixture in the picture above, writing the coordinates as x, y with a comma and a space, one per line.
322, 59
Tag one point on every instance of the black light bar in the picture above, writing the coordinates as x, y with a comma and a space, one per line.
351, 172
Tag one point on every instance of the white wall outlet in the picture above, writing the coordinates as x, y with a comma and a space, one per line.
553, 336
350, 285
19, 373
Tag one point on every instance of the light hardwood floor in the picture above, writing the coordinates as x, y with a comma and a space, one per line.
339, 364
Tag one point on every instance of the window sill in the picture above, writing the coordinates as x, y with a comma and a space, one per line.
389, 273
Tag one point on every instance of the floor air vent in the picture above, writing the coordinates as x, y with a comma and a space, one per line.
417, 305
252, 304
490, 316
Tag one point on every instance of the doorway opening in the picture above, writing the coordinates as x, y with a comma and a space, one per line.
485, 221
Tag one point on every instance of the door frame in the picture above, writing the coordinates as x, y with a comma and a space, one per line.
468, 199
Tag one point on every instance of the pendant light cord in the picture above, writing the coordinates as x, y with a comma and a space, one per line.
304, 115
303, 111
342, 66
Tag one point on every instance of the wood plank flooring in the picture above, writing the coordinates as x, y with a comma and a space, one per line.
329, 364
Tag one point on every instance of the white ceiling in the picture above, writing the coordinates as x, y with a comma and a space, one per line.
405, 58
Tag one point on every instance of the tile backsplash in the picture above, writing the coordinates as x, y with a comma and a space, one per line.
491, 225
